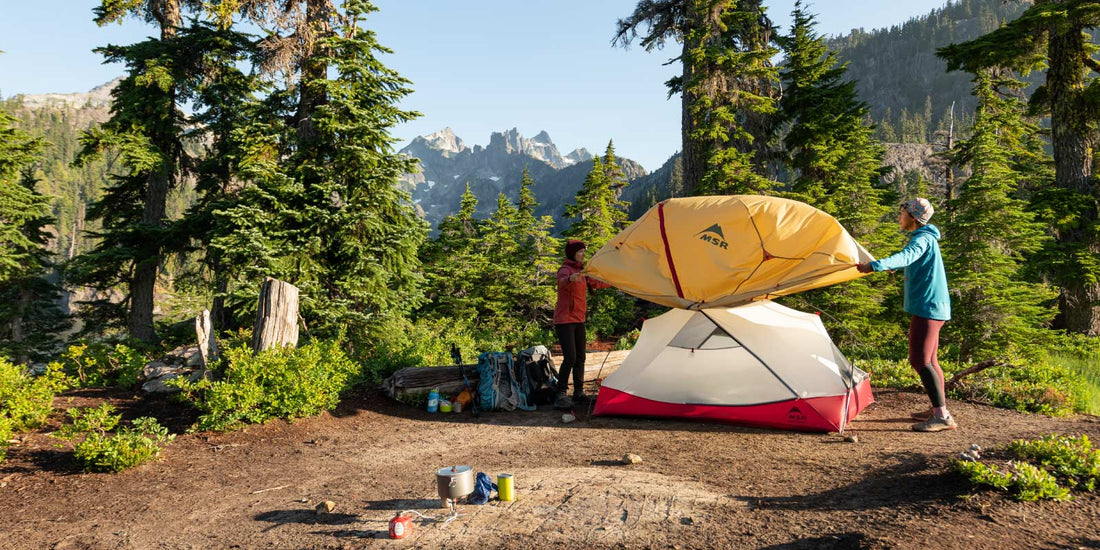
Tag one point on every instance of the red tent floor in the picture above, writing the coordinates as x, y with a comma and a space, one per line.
816, 414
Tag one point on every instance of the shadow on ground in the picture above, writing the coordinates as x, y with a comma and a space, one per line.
878, 489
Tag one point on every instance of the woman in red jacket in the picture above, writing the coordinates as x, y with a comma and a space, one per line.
569, 317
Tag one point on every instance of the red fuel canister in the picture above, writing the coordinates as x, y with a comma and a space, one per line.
400, 526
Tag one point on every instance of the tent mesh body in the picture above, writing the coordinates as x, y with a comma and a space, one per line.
760, 364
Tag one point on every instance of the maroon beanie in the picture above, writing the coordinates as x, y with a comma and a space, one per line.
571, 248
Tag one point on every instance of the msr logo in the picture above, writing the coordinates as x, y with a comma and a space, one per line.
795, 416
713, 235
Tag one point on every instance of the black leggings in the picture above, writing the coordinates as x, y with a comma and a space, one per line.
924, 343
572, 339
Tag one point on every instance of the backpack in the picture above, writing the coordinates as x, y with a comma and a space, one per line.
498, 389
536, 375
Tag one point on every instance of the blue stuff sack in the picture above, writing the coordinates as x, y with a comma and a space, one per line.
483, 489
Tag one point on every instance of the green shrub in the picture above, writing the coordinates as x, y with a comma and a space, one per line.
27, 400
1040, 387
100, 364
1070, 458
400, 343
981, 474
98, 450
5, 435
277, 383
610, 312
629, 340
1043, 469
1031, 483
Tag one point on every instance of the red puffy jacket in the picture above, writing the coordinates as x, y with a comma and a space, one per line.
573, 296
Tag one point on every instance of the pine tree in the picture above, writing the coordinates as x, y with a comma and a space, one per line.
1053, 34
225, 109
835, 165
595, 212
599, 216
727, 87
29, 317
453, 264
995, 313
145, 130
322, 209
538, 251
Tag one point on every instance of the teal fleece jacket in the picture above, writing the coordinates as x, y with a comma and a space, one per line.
925, 279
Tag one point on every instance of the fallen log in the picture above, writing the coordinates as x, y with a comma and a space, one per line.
950, 384
448, 379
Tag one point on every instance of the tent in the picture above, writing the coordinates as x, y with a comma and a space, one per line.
760, 364
705, 252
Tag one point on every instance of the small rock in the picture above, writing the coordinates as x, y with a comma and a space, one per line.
631, 458
975, 447
567, 418
851, 438
967, 456
157, 385
304, 500
687, 521
325, 507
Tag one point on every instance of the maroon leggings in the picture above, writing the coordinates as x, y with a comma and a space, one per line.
924, 342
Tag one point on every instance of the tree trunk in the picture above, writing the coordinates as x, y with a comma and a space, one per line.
276, 316
208, 346
310, 96
693, 163
143, 284
1080, 301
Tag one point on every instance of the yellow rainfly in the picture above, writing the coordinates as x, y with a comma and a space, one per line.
703, 252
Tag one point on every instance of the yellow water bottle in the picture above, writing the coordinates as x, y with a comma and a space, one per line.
506, 490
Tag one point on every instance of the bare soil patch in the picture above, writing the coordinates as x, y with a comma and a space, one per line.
699, 485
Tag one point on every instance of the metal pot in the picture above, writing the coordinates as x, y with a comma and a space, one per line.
454, 482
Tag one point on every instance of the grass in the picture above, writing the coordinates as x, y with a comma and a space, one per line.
1088, 369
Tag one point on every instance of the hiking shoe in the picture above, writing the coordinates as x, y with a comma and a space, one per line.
935, 424
922, 415
580, 396
563, 403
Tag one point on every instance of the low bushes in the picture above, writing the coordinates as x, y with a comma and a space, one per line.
98, 364
1047, 468
26, 400
277, 383
96, 449
1041, 386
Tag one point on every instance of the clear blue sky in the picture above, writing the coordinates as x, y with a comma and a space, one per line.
478, 67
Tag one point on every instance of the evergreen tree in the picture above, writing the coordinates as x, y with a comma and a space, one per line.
996, 314
320, 206
835, 165
145, 131
1054, 34
29, 318
727, 87
225, 110
453, 265
599, 216
538, 252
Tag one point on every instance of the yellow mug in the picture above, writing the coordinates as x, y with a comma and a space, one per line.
506, 489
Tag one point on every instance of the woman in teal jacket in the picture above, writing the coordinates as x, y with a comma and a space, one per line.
927, 301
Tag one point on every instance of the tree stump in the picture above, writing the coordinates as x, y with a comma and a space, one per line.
276, 316
208, 347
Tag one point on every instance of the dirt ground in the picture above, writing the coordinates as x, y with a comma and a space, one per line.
699, 485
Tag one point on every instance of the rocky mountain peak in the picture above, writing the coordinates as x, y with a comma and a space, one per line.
100, 96
445, 141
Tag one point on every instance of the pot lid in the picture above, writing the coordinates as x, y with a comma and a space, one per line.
452, 470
